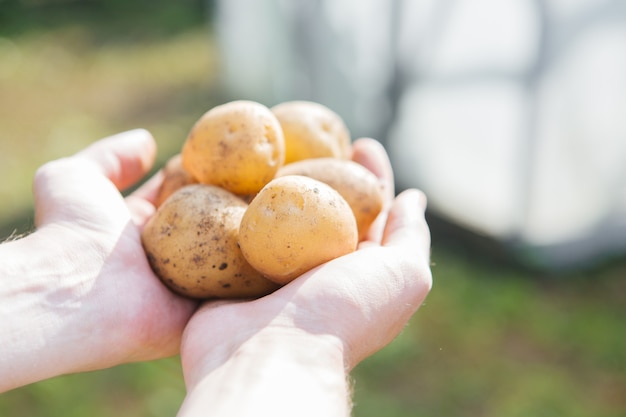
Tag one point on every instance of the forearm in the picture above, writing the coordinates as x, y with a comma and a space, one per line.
271, 376
35, 304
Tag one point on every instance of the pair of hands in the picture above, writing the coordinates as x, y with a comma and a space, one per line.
87, 299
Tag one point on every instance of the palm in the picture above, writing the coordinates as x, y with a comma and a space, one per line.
362, 299
118, 293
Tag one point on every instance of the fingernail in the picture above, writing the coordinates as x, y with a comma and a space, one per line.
423, 200
413, 198
420, 198
138, 135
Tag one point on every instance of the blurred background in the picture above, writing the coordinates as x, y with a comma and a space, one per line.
510, 115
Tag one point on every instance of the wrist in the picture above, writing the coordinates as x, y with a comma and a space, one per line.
277, 371
292, 345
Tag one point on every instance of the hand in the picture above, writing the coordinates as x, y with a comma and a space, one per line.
263, 353
79, 292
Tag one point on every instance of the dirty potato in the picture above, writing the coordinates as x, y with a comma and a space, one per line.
191, 244
174, 177
238, 146
294, 224
356, 184
312, 130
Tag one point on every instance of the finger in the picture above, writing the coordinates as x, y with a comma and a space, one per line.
140, 210
149, 190
123, 158
406, 224
372, 155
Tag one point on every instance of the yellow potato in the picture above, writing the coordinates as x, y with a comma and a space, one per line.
356, 184
174, 177
294, 224
312, 130
191, 244
238, 146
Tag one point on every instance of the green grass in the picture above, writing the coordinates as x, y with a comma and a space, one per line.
492, 340
498, 341
152, 389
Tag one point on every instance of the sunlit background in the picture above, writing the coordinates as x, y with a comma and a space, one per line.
510, 115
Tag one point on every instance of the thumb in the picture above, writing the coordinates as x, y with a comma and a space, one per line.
123, 158
406, 224
86, 186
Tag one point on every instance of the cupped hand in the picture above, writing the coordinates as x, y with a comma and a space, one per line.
107, 296
357, 303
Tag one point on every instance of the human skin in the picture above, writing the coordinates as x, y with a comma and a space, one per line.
77, 294
291, 353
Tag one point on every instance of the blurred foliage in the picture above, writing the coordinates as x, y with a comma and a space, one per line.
154, 389
66, 85
135, 19
496, 340
492, 340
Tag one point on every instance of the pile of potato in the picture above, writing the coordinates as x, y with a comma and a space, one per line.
257, 197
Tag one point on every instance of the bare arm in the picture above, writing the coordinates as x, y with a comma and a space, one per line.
275, 375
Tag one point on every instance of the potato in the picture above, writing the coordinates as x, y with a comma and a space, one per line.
191, 244
312, 130
174, 177
356, 184
294, 224
238, 146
